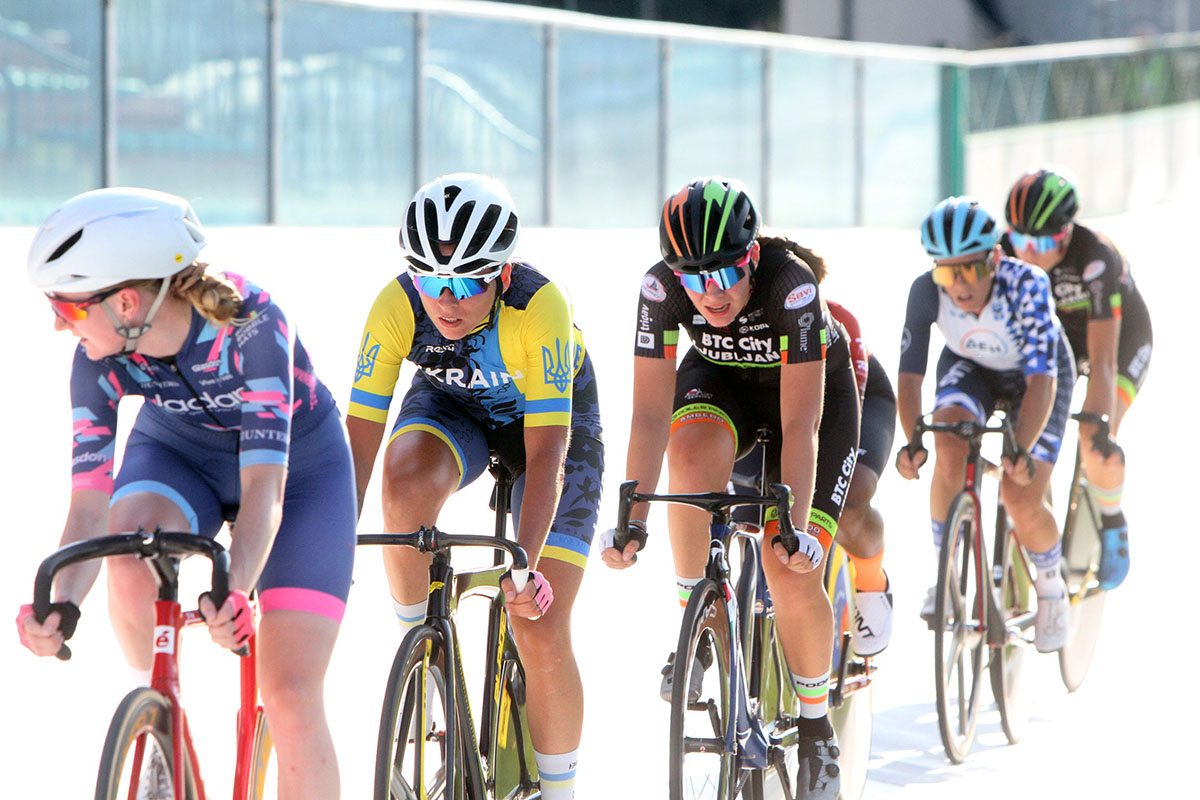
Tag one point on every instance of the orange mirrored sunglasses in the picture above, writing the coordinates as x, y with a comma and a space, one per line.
76, 310
945, 274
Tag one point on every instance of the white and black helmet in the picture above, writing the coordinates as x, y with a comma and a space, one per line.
104, 237
474, 212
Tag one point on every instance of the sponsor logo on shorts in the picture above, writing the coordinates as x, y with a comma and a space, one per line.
800, 296
652, 290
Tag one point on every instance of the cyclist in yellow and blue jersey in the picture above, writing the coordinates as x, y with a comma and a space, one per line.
501, 370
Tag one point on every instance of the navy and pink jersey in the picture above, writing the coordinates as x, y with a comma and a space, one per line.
252, 376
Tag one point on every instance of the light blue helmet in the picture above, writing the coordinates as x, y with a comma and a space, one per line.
958, 226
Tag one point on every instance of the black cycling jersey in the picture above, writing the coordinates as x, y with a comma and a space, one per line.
1093, 282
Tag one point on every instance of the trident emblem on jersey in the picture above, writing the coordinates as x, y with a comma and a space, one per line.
557, 366
366, 358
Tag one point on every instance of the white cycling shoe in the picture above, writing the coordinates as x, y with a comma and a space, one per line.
872, 621
1052, 623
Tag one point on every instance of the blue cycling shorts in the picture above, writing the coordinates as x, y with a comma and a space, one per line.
312, 558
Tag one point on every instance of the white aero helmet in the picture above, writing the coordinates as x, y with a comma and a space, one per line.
473, 212
101, 238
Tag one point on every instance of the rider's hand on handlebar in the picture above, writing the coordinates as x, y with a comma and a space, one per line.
46, 638
233, 624
1020, 468
909, 461
808, 555
533, 601
619, 559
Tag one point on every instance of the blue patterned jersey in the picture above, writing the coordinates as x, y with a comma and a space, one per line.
252, 376
1016, 331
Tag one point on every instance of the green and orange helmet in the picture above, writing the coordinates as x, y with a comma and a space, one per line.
708, 224
1042, 202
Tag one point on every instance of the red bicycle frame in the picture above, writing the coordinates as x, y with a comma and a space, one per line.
169, 620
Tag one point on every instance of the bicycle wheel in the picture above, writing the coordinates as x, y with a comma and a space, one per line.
410, 756
141, 724
852, 718
960, 629
1011, 585
1081, 562
511, 765
261, 751
701, 766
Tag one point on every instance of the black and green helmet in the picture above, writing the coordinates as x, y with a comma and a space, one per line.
1041, 202
708, 224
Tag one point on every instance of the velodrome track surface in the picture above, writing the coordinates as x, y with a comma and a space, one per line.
1121, 734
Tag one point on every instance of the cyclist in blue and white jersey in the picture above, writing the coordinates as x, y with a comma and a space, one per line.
234, 424
1002, 342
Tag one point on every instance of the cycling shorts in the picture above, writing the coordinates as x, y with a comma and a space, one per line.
963, 383
312, 558
878, 428
432, 410
708, 392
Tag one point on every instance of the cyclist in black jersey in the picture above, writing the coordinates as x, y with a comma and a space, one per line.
764, 350
1106, 322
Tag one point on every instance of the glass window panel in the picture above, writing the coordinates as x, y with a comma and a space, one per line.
484, 81
607, 130
812, 140
191, 103
715, 123
901, 140
346, 103
49, 105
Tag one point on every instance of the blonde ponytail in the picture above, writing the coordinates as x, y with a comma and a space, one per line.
214, 297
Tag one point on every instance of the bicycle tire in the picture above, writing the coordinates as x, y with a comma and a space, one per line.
512, 767
1011, 594
261, 752
701, 768
1081, 563
410, 714
853, 721
142, 713
960, 628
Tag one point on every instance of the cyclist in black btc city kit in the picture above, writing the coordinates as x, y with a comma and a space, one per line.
1106, 322
765, 351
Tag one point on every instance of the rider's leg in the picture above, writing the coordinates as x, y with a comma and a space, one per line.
805, 620
700, 455
1106, 480
293, 654
555, 696
860, 531
948, 468
420, 472
131, 587
1035, 527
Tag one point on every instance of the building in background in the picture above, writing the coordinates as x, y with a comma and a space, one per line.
965, 24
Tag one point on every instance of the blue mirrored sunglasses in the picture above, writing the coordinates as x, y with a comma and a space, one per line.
1038, 244
432, 286
724, 278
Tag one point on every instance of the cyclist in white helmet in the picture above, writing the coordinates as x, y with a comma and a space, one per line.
235, 423
501, 369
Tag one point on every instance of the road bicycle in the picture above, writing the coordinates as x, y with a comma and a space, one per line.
1081, 563
733, 728
154, 717
427, 746
982, 616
